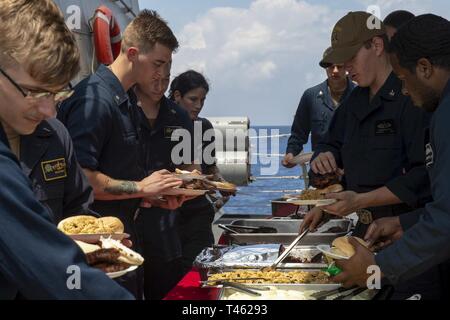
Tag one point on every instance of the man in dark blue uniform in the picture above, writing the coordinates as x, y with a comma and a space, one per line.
103, 120
421, 59
37, 260
373, 134
48, 159
157, 224
374, 137
316, 109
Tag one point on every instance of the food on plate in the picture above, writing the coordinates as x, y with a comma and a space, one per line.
110, 255
110, 225
321, 181
102, 256
319, 194
259, 276
341, 246
84, 224
197, 181
126, 254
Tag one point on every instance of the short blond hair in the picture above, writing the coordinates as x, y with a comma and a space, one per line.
147, 29
35, 35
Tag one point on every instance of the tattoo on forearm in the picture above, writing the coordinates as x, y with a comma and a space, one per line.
122, 187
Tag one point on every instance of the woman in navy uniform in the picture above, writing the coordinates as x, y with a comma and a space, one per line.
189, 90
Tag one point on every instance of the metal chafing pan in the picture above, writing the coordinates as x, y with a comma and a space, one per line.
288, 231
301, 288
306, 253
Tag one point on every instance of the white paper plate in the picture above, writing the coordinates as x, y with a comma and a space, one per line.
95, 237
326, 250
117, 274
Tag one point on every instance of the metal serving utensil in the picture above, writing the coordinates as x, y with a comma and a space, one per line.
286, 252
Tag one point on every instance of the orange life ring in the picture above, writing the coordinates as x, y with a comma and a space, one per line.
107, 37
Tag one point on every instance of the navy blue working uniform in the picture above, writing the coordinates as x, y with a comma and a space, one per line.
314, 114
375, 143
34, 255
380, 143
161, 243
58, 182
103, 121
426, 241
197, 215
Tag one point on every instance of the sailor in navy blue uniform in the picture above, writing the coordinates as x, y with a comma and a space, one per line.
48, 159
420, 58
157, 225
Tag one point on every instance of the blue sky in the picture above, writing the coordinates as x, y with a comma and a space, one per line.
260, 55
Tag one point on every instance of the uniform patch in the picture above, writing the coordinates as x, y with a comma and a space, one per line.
54, 169
169, 130
429, 155
383, 127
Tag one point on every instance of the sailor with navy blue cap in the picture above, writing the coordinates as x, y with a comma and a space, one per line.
376, 137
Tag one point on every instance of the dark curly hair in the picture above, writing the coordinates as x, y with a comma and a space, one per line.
425, 36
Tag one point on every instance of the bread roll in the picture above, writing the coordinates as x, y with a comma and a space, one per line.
344, 248
78, 224
90, 225
110, 225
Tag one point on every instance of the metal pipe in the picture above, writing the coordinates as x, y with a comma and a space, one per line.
126, 7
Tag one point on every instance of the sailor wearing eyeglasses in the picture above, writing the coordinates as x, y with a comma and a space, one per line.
46, 155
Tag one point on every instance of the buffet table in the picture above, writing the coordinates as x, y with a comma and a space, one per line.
189, 289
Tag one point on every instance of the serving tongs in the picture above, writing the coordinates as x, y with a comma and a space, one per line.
286, 252
253, 229
349, 296
224, 227
322, 295
238, 286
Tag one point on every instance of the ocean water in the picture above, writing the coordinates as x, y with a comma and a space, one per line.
255, 198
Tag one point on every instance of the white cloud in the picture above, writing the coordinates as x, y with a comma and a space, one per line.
263, 57
256, 56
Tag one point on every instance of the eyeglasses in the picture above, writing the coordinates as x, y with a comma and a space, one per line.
58, 96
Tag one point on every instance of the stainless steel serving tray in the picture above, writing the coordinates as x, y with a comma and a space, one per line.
226, 291
301, 251
288, 231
